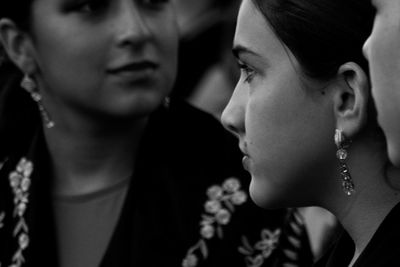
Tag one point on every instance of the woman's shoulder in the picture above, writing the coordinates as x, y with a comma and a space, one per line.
384, 248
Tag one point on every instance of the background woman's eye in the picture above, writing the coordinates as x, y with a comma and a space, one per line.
93, 6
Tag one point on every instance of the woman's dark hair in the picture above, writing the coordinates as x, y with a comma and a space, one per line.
19, 116
323, 35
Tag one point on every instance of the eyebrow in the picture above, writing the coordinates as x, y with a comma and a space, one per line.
240, 49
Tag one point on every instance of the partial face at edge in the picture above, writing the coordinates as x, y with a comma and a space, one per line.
285, 129
382, 50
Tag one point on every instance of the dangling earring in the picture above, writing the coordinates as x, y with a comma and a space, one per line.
167, 102
342, 143
30, 86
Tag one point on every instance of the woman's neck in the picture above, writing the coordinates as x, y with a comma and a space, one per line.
87, 159
377, 192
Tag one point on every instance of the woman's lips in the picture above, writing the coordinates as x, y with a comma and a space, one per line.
134, 71
133, 67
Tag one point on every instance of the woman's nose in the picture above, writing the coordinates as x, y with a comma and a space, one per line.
234, 113
132, 25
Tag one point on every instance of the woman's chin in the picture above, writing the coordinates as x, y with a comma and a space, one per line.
263, 195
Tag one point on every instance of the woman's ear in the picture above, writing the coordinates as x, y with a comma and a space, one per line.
350, 98
18, 45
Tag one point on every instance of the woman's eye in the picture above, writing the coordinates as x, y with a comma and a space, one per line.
155, 3
247, 72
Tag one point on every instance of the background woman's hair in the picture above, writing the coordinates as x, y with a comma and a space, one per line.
19, 116
323, 35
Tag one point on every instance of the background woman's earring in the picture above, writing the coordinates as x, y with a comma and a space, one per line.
167, 102
30, 86
342, 143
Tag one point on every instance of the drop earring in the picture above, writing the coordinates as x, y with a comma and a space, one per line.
342, 143
166, 102
30, 86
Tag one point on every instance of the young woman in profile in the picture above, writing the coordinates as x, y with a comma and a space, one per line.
95, 170
306, 123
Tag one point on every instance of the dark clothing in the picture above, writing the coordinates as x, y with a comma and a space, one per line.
181, 203
382, 250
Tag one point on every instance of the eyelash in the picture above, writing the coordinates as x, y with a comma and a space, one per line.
247, 71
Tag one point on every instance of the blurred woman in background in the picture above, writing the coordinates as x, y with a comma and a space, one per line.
98, 168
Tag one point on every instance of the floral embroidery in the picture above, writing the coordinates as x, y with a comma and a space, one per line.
20, 182
256, 255
2, 214
218, 212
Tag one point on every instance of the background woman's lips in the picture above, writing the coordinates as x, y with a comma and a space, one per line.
133, 67
142, 71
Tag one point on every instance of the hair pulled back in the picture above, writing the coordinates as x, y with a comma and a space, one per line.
323, 35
